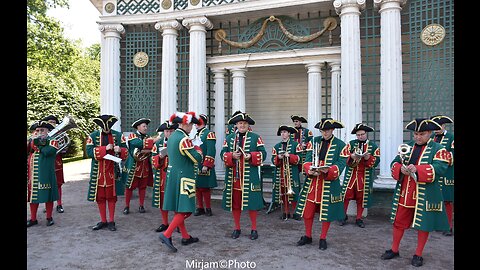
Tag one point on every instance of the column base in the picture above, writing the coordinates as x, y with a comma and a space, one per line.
384, 182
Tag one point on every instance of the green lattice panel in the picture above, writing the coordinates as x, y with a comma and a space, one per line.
428, 70
126, 7
140, 87
180, 4
183, 69
207, 3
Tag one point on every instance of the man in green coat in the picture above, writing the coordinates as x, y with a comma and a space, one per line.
41, 180
446, 139
206, 178
184, 158
364, 156
417, 200
324, 162
243, 153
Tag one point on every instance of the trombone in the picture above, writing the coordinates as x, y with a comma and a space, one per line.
287, 173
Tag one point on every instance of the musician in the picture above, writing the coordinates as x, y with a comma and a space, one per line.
41, 181
138, 167
231, 128
303, 136
53, 120
243, 153
446, 139
324, 162
417, 201
159, 166
206, 178
184, 158
361, 163
286, 179
105, 175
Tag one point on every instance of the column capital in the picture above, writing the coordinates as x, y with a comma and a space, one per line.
219, 72
314, 67
238, 72
348, 6
115, 29
168, 25
335, 65
382, 5
202, 23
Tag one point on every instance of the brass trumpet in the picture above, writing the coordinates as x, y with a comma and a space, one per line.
287, 174
403, 150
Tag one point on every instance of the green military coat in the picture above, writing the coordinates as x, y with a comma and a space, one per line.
295, 150
249, 171
332, 202
208, 180
430, 212
447, 181
41, 179
159, 169
183, 162
368, 174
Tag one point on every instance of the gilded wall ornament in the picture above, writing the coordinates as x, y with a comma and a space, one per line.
166, 4
140, 59
109, 7
194, 2
432, 34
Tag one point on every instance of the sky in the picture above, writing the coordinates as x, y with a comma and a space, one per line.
79, 21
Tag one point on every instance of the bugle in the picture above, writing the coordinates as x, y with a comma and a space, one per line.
403, 150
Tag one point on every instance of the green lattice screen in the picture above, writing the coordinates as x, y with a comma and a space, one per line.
140, 87
183, 68
428, 70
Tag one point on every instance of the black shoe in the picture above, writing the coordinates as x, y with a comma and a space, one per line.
448, 233
253, 235
60, 209
178, 229
417, 261
389, 254
322, 244
50, 222
100, 225
111, 226
297, 217
283, 216
344, 221
236, 234
141, 209
189, 240
199, 212
208, 212
30, 223
162, 228
126, 210
167, 242
304, 240
359, 223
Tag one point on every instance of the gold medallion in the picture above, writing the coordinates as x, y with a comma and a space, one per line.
194, 2
432, 34
109, 7
166, 4
140, 59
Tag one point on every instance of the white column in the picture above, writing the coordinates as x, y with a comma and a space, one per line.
219, 78
351, 79
314, 95
197, 81
110, 71
391, 87
335, 93
168, 103
238, 91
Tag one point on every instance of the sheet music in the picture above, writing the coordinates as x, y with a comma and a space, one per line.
113, 158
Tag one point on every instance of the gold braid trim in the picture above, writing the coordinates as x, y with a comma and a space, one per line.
329, 24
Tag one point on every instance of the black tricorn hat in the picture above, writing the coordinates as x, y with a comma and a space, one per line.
287, 128
235, 113
44, 124
33, 126
167, 125
185, 118
299, 118
422, 124
141, 121
362, 126
204, 118
51, 117
241, 117
105, 121
441, 119
328, 123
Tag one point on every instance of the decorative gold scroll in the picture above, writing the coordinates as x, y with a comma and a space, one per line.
329, 24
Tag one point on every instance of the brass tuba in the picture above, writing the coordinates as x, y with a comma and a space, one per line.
140, 155
59, 133
403, 150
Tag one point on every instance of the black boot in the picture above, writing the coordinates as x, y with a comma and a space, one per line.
189, 240
141, 209
236, 234
50, 222
162, 228
417, 261
111, 226
322, 244
448, 233
126, 210
30, 223
100, 225
304, 240
344, 221
167, 242
199, 211
60, 209
253, 235
389, 254
208, 212
359, 223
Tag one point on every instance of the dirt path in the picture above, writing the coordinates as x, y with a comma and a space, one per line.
71, 243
